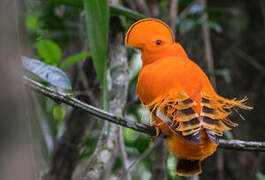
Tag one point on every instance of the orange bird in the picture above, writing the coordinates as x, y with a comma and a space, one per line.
182, 102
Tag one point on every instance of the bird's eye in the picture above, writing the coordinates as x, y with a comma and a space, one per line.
158, 42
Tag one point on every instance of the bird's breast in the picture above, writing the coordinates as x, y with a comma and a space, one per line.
167, 77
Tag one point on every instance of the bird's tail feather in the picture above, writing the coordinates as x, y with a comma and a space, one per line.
188, 167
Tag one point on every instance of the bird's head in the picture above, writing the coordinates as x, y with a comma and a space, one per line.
154, 38
149, 32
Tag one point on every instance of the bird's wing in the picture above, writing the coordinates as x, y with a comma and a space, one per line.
214, 116
177, 112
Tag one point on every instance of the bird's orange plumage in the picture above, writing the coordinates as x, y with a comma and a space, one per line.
180, 97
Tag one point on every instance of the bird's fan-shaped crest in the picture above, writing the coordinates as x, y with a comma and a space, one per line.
146, 30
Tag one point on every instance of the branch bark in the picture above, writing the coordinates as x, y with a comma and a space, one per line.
125, 122
71, 101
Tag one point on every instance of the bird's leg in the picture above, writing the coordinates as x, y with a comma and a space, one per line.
160, 126
156, 126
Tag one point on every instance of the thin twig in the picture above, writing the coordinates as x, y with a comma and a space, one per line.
49, 141
154, 8
245, 56
131, 5
124, 158
207, 43
142, 156
140, 127
185, 12
173, 11
252, 61
262, 6
84, 79
210, 65
220, 164
142, 5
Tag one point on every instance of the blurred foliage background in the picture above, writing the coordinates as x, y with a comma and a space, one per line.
76, 37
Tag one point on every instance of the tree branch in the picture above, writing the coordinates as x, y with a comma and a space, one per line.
71, 101
242, 145
140, 127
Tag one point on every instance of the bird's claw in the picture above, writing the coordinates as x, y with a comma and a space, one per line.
156, 126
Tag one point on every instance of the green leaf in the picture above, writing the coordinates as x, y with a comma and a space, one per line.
117, 165
50, 74
260, 176
49, 51
142, 143
97, 24
120, 10
32, 22
129, 136
114, 10
89, 143
135, 64
59, 112
225, 73
74, 3
74, 59
186, 24
215, 26
171, 164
